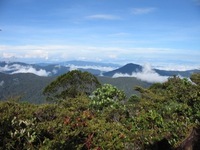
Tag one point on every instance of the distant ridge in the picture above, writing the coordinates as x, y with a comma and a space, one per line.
56, 69
186, 73
96, 68
88, 63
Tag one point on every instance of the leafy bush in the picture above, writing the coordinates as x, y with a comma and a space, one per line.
166, 111
106, 96
65, 125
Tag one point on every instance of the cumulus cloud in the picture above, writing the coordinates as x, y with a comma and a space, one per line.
101, 68
147, 74
16, 68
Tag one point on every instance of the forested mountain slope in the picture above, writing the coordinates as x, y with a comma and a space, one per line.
30, 86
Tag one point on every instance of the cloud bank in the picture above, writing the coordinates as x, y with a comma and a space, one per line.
147, 74
16, 68
101, 68
57, 53
178, 67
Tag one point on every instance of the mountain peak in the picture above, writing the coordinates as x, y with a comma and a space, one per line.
128, 69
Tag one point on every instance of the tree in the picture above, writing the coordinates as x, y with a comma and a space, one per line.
70, 85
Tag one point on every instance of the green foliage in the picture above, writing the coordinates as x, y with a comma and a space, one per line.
65, 125
124, 83
167, 110
107, 96
30, 87
196, 78
133, 99
105, 121
71, 85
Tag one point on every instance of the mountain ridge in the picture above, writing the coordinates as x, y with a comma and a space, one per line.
105, 69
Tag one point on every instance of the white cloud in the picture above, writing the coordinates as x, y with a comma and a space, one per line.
58, 52
113, 56
8, 55
9, 68
147, 74
103, 17
139, 11
33, 53
16, 68
72, 67
2, 83
176, 67
46, 51
54, 71
101, 68
37, 54
40, 72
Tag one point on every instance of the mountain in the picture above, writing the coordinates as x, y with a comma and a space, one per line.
127, 69
130, 68
30, 86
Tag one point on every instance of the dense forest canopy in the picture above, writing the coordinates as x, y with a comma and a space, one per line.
71, 84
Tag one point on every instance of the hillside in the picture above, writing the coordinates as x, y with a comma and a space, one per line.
26, 85
30, 86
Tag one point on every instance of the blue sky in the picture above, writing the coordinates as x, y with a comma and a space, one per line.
118, 31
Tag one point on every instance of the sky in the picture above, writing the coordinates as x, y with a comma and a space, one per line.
118, 31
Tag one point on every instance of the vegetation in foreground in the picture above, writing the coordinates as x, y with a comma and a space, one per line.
105, 118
